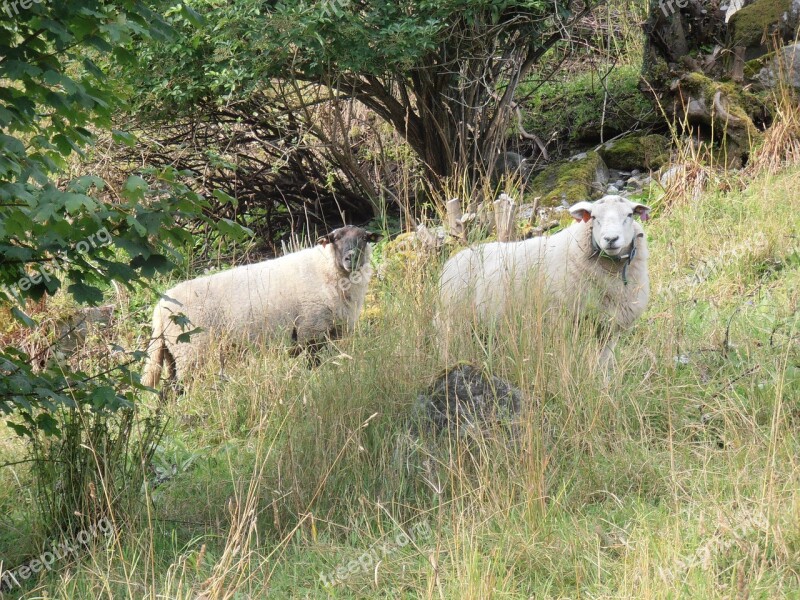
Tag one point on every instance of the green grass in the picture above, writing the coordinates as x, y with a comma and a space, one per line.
680, 479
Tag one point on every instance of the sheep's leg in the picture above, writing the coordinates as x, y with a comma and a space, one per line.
316, 345
607, 356
336, 332
311, 334
172, 386
296, 348
607, 360
169, 363
314, 349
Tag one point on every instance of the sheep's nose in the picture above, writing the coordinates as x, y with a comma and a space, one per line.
610, 238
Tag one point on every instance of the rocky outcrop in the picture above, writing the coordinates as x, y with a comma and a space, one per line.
699, 64
727, 109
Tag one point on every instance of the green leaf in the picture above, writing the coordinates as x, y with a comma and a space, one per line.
103, 397
45, 422
134, 188
20, 430
234, 230
192, 15
137, 226
155, 263
75, 202
186, 335
85, 294
81, 185
181, 320
22, 317
225, 198
123, 137
11, 145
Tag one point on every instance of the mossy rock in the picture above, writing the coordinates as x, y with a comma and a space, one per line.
749, 24
570, 181
705, 87
753, 67
637, 152
770, 69
743, 106
656, 70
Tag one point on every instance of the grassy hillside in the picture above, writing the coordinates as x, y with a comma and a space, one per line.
681, 478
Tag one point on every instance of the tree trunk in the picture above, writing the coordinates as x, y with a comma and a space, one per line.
454, 109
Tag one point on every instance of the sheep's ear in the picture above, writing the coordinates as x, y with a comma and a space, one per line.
331, 238
642, 210
374, 237
581, 211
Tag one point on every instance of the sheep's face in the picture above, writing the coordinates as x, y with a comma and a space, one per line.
612, 221
349, 246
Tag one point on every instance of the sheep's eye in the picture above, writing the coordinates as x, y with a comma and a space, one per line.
630, 215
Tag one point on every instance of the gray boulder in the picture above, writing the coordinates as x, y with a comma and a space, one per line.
784, 65
511, 165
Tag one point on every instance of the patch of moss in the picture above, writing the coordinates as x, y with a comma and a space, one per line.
740, 103
572, 108
637, 152
569, 181
656, 69
749, 24
753, 67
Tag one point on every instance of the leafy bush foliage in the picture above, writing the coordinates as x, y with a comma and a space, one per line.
55, 94
443, 74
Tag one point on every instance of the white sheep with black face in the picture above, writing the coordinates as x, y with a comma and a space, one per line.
599, 262
306, 297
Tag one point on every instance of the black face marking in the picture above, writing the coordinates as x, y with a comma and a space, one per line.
349, 246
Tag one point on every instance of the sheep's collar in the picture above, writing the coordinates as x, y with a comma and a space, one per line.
625, 258
347, 280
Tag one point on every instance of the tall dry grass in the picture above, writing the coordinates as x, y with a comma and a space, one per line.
678, 477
